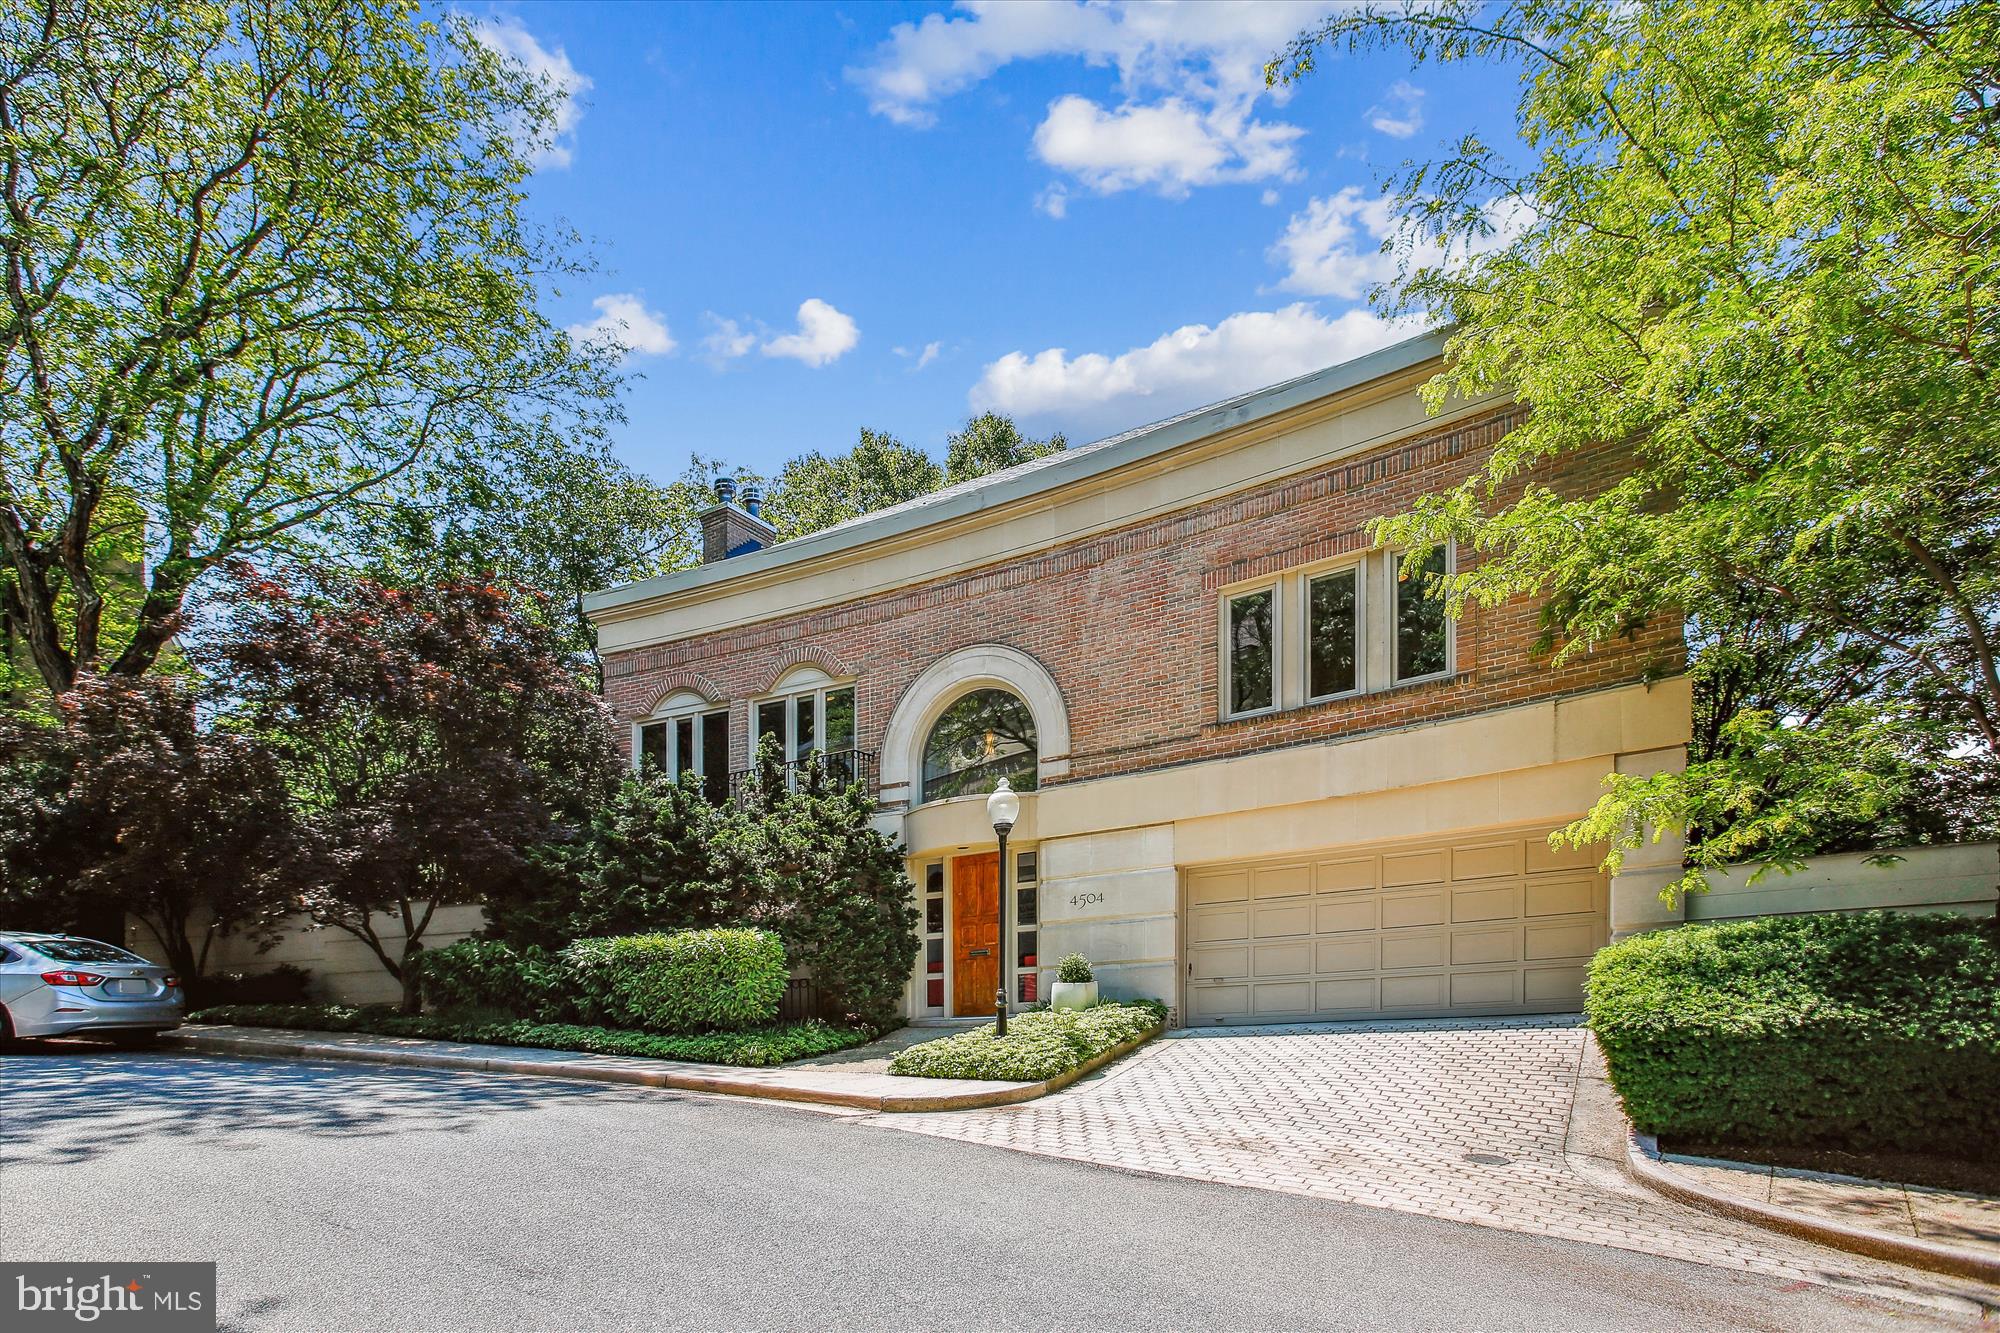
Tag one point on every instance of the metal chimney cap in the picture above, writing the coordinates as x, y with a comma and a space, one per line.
725, 489
753, 497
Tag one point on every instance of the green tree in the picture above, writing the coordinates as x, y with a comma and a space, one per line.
256, 263
989, 443
816, 490
432, 736
1757, 247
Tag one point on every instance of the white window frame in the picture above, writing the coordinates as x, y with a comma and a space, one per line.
1225, 642
805, 682
1376, 596
683, 704
1392, 560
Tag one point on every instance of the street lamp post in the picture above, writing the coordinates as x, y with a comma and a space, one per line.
1003, 807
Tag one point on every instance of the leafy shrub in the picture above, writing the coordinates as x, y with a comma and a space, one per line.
757, 1048
491, 975
287, 983
1038, 1045
690, 981
802, 858
1074, 968
1863, 1031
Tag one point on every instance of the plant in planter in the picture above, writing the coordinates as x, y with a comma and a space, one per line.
1076, 986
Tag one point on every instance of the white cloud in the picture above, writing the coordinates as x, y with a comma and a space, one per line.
624, 323
824, 335
1335, 245
928, 355
725, 340
1269, 198
1400, 113
510, 38
1169, 146
1053, 201
1190, 77
1198, 363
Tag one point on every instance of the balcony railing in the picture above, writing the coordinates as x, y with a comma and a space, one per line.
840, 766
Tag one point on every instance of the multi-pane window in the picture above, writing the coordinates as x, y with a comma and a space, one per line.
1326, 631
819, 720
1252, 651
1333, 633
690, 742
1422, 636
1026, 928
934, 936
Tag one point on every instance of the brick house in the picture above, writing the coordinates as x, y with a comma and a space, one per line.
1263, 777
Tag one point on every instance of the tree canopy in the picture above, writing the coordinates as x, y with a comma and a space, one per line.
257, 263
1759, 245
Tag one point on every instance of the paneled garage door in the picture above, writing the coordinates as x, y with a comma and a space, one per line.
1490, 924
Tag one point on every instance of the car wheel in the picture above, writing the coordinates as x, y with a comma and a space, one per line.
8, 1042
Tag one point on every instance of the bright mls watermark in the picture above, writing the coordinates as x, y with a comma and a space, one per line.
146, 1298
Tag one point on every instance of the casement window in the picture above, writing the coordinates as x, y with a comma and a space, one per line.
686, 734
1249, 651
1423, 631
811, 713
1328, 631
1333, 634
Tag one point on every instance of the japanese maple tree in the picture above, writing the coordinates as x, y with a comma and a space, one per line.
431, 734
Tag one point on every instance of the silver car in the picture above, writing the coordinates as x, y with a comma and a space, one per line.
66, 985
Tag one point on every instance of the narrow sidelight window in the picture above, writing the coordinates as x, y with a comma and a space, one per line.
1250, 652
1422, 645
1331, 634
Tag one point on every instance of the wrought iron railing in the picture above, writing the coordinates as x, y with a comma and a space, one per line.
841, 767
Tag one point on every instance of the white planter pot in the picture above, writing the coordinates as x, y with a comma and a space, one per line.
1073, 995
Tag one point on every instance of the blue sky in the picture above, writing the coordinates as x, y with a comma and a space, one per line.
811, 218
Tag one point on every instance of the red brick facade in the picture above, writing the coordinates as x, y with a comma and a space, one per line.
1126, 623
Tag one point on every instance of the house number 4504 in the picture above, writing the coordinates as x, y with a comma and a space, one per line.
1085, 899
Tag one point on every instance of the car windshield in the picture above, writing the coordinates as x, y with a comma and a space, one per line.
83, 951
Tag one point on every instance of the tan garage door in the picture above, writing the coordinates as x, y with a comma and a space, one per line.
1481, 925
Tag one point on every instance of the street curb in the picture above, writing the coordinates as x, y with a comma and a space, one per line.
1642, 1163
647, 1075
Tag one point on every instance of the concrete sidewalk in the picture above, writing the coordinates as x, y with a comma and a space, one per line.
854, 1079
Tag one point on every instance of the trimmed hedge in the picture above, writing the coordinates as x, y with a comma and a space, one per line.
757, 1048
689, 981
1862, 1031
491, 974
1039, 1045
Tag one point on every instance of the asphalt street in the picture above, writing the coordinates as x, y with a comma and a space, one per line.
355, 1197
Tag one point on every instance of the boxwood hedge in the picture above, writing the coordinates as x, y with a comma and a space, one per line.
1038, 1045
1861, 1031
688, 981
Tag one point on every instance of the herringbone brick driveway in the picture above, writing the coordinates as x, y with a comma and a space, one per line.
1498, 1122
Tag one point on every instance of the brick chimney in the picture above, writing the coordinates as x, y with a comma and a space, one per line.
728, 528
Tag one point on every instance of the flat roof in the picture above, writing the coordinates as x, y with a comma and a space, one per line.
1048, 473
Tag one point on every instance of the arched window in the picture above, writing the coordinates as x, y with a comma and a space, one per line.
982, 737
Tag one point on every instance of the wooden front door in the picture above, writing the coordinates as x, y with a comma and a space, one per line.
975, 933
